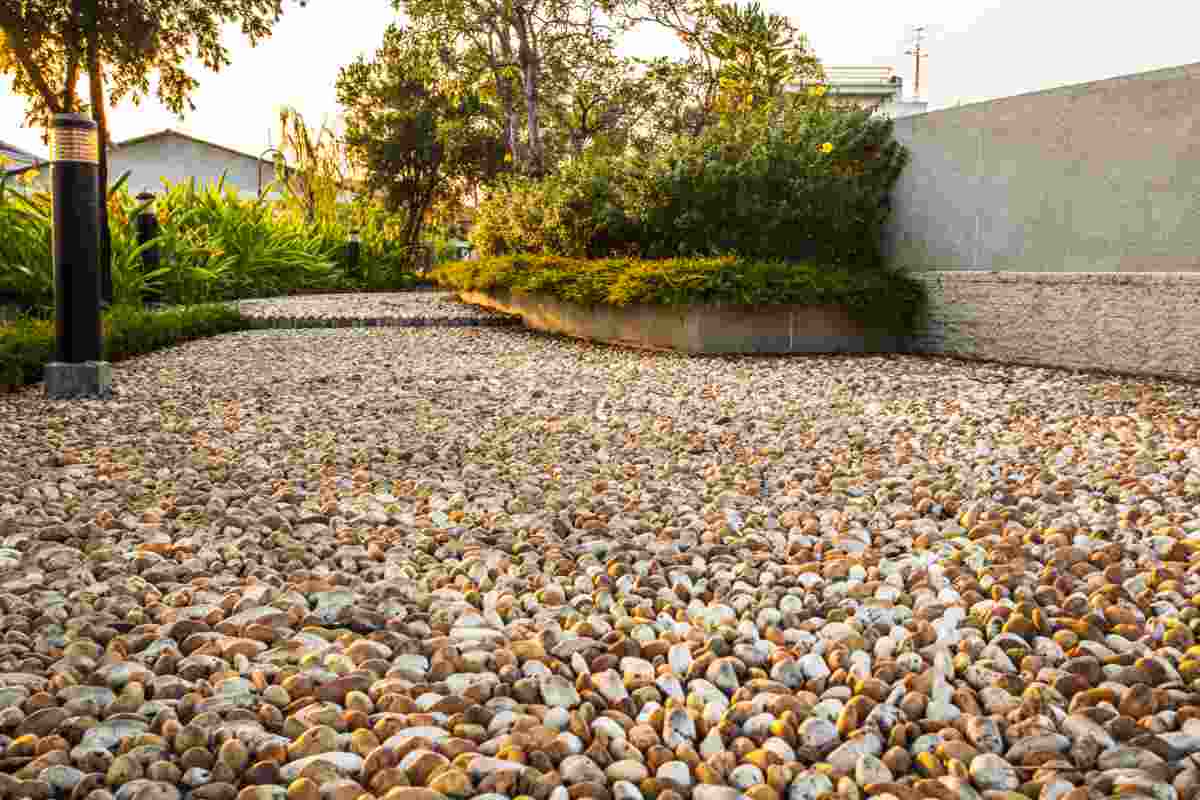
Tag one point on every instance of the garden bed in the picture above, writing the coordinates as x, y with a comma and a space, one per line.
701, 306
699, 329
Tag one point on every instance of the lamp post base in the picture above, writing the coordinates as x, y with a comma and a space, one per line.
88, 379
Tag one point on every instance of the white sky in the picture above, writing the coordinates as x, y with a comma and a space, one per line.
982, 50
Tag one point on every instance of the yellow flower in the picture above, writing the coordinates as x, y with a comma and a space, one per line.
827, 148
508, 158
816, 91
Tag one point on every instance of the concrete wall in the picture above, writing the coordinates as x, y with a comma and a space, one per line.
897, 108
697, 329
1057, 193
178, 160
1098, 177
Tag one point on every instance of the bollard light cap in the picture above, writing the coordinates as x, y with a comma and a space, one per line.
73, 139
71, 119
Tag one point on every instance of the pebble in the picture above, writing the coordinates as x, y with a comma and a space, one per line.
449, 563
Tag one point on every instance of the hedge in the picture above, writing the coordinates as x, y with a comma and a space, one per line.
879, 298
27, 345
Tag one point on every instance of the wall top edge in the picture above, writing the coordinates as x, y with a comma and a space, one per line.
1116, 278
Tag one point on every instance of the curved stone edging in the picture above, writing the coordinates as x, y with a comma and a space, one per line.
697, 329
260, 323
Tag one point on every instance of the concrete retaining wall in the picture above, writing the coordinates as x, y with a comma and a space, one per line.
1059, 227
699, 329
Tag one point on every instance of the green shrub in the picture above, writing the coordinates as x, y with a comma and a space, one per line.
790, 182
765, 187
27, 345
576, 211
879, 298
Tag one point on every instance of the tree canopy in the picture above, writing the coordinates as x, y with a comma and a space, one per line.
121, 45
45, 46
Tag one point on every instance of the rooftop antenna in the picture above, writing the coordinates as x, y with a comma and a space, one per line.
917, 53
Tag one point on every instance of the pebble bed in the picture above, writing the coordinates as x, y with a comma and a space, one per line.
415, 309
418, 563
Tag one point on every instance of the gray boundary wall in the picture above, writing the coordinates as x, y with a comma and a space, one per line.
1060, 227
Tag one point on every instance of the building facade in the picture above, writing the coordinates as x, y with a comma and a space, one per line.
22, 170
871, 87
178, 158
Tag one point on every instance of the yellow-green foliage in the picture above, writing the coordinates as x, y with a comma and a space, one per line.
881, 298
213, 244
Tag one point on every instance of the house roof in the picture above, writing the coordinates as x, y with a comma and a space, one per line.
23, 158
167, 132
860, 75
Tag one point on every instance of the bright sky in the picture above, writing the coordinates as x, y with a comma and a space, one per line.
981, 49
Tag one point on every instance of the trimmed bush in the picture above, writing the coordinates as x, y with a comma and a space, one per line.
879, 298
26, 346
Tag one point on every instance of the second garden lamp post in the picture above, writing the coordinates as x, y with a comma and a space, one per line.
353, 251
147, 230
78, 369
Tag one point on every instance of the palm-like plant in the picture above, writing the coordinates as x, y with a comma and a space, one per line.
760, 53
318, 167
26, 254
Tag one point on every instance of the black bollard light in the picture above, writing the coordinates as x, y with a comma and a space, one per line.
353, 251
78, 369
147, 231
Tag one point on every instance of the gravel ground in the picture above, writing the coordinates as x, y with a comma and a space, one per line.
402, 309
418, 564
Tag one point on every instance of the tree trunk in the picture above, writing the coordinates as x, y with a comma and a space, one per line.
511, 116
529, 61
71, 75
504, 91
536, 157
96, 83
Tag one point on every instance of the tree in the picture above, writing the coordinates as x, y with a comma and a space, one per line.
595, 98
761, 52
316, 172
514, 40
416, 132
121, 44
733, 51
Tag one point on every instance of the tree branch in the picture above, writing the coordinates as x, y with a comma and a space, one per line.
13, 27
